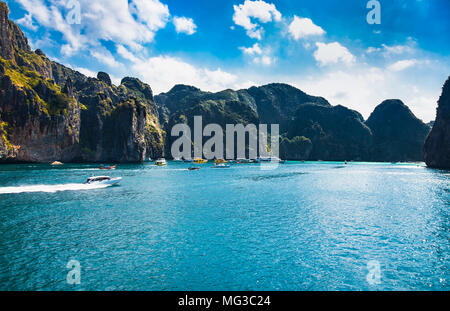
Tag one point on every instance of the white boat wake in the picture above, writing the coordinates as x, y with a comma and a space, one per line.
50, 188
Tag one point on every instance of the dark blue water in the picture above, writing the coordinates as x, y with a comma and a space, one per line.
304, 226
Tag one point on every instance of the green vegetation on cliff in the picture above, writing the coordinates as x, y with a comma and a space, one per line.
311, 128
47, 94
4, 136
55, 113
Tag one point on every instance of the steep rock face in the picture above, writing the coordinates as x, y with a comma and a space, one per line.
154, 134
118, 124
437, 145
270, 104
277, 103
221, 112
39, 119
182, 103
397, 134
183, 97
104, 77
12, 39
50, 112
311, 128
336, 133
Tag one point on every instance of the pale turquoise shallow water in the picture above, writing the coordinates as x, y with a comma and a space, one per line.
304, 226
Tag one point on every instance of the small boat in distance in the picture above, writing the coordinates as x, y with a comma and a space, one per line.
103, 180
113, 167
177, 160
220, 161
271, 159
161, 162
200, 161
222, 165
243, 161
194, 168
56, 163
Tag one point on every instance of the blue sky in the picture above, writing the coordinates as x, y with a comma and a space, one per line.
323, 47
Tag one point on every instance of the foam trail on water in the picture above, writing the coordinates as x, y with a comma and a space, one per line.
50, 188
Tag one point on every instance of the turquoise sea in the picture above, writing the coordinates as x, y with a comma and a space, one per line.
303, 226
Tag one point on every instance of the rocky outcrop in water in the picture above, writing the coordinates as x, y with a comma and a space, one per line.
311, 128
437, 145
49, 112
270, 104
397, 134
336, 133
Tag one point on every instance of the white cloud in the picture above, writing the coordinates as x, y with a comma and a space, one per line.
27, 21
397, 49
372, 50
403, 64
333, 53
129, 23
304, 27
392, 50
150, 12
359, 89
36, 9
115, 80
264, 60
259, 56
163, 72
363, 87
105, 57
86, 72
258, 10
122, 51
253, 50
184, 25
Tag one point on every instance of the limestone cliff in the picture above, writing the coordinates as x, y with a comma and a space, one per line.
397, 134
437, 145
311, 128
49, 112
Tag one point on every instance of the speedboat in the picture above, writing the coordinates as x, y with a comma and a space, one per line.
222, 165
177, 160
194, 168
271, 159
161, 162
220, 161
243, 161
262, 159
113, 167
103, 180
200, 161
